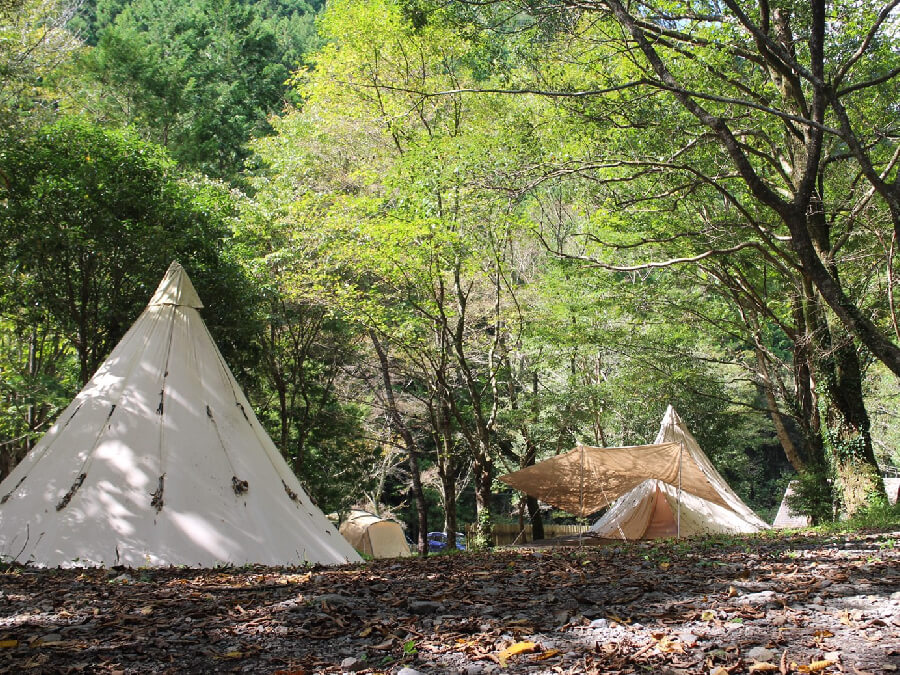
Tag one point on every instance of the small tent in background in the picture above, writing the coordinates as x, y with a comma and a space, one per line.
892, 488
374, 536
658, 508
786, 518
160, 461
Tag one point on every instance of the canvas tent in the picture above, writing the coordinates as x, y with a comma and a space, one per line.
664, 489
786, 518
160, 461
656, 508
375, 536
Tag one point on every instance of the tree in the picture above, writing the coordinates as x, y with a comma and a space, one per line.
92, 220
747, 121
198, 78
34, 42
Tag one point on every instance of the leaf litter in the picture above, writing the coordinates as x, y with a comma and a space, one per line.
800, 603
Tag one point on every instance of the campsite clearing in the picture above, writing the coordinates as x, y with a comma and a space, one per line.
799, 603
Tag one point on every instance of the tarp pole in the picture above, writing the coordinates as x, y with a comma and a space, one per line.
581, 500
680, 460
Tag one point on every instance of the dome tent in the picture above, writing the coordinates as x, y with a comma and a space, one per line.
374, 536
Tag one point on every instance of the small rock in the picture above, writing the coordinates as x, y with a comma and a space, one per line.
122, 579
561, 616
472, 669
600, 624
688, 639
352, 664
761, 654
833, 656
423, 606
408, 671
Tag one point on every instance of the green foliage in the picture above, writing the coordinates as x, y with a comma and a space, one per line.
92, 220
199, 78
814, 495
33, 43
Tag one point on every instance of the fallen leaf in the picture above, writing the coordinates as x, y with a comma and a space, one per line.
762, 667
517, 648
815, 666
383, 646
707, 615
8, 644
550, 653
668, 645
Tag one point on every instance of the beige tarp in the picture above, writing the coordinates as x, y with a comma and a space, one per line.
374, 536
587, 479
160, 461
658, 490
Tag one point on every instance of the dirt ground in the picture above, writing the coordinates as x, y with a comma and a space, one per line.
803, 603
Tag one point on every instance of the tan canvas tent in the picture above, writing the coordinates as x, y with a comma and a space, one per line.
160, 461
375, 536
662, 489
786, 518
657, 508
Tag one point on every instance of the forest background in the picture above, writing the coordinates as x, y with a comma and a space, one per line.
440, 241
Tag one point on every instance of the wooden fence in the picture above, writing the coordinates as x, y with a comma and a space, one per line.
506, 534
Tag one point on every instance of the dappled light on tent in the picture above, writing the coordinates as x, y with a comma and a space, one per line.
160, 460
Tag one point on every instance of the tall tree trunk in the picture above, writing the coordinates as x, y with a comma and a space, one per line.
483, 469
847, 437
447, 469
397, 424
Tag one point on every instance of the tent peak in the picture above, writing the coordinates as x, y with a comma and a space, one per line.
176, 289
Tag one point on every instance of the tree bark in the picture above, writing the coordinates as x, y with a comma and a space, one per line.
397, 424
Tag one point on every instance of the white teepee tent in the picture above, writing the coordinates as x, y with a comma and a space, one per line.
658, 508
160, 461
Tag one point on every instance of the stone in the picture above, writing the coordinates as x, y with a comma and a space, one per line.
761, 654
687, 638
353, 664
408, 671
